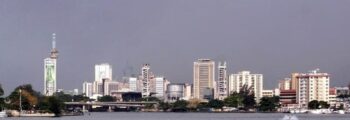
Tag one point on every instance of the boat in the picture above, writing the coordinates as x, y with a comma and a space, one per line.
290, 117
3, 114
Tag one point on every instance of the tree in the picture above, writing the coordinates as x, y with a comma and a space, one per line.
106, 98
248, 97
323, 104
216, 104
313, 104
193, 104
269, 104
29, 97
1, 91
164, 106
55, 105
234, 100
180, 106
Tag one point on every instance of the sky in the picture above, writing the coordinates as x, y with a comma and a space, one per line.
270, 37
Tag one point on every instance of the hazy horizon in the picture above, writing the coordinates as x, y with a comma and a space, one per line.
269, 37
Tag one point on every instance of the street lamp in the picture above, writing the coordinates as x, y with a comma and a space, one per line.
20, 101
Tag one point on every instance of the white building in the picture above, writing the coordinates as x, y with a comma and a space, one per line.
268, 93
87, 89
50, 70
133, 84
203, 78
312, 86
102, 71
253, 81
159, 87
145, 80
221, 83
187, 92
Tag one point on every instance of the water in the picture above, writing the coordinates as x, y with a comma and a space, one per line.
192, 116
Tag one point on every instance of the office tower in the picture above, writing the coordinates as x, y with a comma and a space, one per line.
50, 65
87, 89
145, 80
285, 84
312, 86
133, 84
253, 81
102, 71
221, 83
203, 78
159, 87
293, 82
188, 92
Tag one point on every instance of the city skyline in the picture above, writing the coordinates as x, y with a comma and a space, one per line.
266, 38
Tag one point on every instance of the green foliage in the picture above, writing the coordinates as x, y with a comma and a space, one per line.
318, 104
323, 104
217, 104
64, 97
106, 98
313, 104
150, 99
55, 105
164, 106
1, 91
29, 98
180, 105
269, 104
234, 100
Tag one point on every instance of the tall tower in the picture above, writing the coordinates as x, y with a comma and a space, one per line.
203, 79
145, 80
50, 65
221, 85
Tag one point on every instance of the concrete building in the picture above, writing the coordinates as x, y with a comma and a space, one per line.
87, 89
221, 83
175, 92
267, 93
203, 77
285, 84
253, 81
312, 86
159, 87
145, 80
102, 71
188, 92
133, 84
50, 70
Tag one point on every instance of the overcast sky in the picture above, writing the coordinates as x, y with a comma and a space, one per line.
273, 38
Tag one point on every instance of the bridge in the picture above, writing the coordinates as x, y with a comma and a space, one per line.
85, 105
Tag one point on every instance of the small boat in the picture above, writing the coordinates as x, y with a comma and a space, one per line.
3, 114
290, 117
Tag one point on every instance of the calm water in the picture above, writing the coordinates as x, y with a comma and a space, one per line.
192, 116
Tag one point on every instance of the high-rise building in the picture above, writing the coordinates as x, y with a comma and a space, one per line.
285, 84
133, 84
203, 78
159, 87
87, 89
145, 80
312, 86
102, 71
50, 64
253, 81
221, 83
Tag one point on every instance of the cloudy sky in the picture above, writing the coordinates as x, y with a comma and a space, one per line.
271, 37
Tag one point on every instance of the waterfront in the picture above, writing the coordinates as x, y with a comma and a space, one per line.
190, 116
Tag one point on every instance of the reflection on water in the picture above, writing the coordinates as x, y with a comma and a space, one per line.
196, 116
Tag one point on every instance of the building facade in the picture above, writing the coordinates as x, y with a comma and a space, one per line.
203, 77
221, 83
50, 70
312, 86
87, 89
102, 72
145, 80
253, 81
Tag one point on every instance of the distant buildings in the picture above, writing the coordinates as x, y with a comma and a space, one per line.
102, 71
203, 78
87, 89
221, 83
50, 68
145, 80
253, 81
312, 86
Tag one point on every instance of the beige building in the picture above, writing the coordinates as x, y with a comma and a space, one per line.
268, 93
253, 81
203, 78
312, 86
